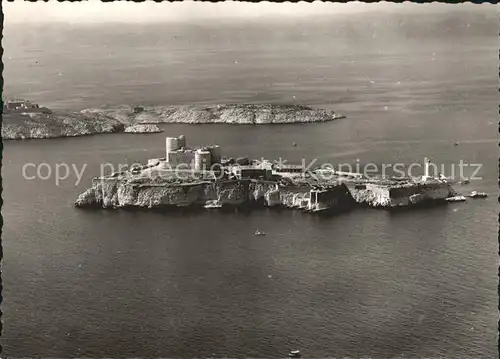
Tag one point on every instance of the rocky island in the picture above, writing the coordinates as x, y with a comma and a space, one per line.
39, 125
181, 179
30, 122
144, 128
239, 114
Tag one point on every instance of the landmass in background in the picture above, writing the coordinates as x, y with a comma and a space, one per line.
35, 124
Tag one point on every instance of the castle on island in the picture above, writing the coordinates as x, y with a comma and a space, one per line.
187, 176
178, 155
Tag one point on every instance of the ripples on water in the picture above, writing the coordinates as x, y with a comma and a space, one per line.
119, 283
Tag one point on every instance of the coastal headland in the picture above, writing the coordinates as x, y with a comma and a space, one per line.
33, 124
187, 178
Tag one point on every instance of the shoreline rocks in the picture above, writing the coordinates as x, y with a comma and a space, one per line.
128, 192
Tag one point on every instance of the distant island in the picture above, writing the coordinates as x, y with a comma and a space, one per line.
31, 122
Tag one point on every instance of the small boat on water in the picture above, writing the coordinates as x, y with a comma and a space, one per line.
456, 199
294, 354
475, 194
213, 205
259, 233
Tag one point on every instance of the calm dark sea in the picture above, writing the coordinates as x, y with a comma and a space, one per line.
135, 284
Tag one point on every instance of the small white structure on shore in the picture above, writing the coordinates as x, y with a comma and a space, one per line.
426, 175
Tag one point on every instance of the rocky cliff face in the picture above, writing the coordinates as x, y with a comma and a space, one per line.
109, 193
375, 195
116, 193
112, 192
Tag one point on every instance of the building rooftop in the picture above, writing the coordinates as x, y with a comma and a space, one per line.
248, 167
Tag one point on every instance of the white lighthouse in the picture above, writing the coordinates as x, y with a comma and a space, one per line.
426, 175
